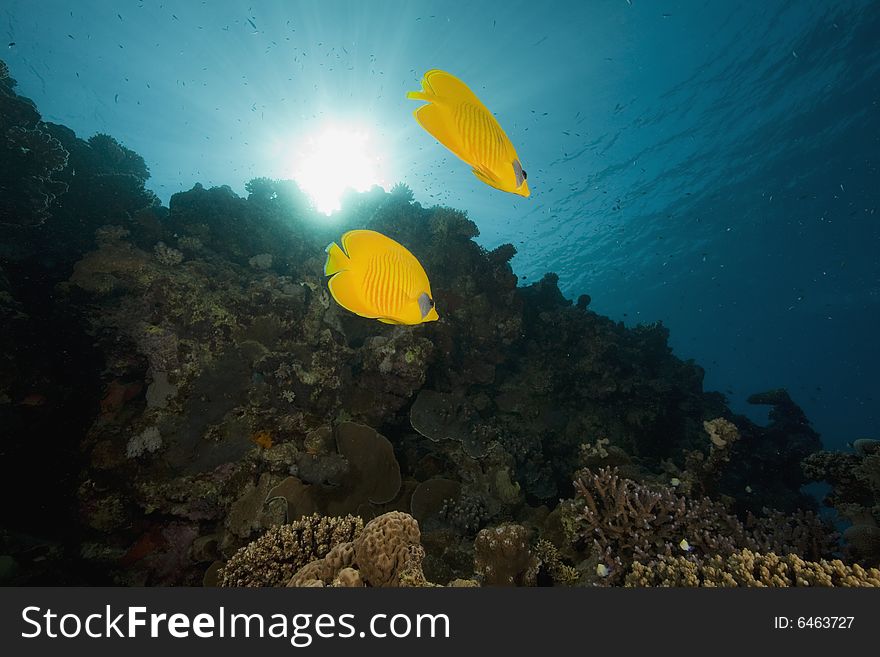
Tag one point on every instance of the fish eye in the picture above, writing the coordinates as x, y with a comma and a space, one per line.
525, 175
431, 302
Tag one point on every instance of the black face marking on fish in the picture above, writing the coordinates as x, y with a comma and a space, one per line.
425, 304
519, 172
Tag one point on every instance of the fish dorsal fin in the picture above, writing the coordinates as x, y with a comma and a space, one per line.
361, 241
449, 88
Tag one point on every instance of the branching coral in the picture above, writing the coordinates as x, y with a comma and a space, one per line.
551, 564
627, 521
273, 558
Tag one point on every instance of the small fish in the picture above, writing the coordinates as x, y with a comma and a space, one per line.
602, 570
11, 44
375, 277
252, 23
116, 98
685, 546
459, 120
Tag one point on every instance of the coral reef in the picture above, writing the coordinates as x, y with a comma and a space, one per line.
214, 416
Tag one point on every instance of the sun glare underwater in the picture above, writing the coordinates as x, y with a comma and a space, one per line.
334, 160
597, 282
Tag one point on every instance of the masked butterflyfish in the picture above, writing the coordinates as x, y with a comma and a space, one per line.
373, 276
458, 120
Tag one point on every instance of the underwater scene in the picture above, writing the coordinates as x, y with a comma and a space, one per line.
398, 294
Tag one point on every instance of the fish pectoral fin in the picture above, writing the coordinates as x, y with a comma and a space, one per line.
343, 288
483, 176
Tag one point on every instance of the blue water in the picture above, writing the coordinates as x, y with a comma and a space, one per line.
712, 165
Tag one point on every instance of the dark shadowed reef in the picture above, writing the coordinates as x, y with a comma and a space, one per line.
182, 402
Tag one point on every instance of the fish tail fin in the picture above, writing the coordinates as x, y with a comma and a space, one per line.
337, 261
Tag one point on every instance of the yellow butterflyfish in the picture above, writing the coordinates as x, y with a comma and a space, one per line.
458, 120
373, 276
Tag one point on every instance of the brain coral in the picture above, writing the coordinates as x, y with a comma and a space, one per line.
381, 549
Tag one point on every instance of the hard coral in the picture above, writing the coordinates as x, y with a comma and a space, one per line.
502, 556
626, 521
747, 568
381, 551
855, 494
372, 476
273, 558
381, 554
